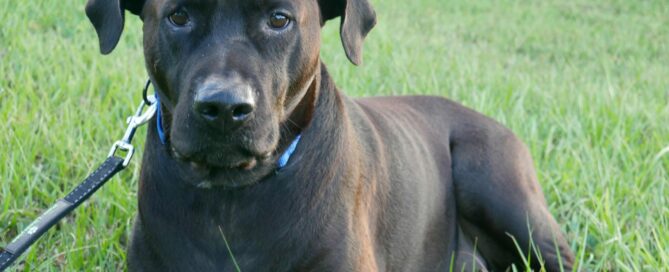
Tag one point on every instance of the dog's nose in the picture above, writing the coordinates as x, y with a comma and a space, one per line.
230, 107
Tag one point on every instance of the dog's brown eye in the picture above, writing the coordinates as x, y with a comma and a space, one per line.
278, 20
179, 18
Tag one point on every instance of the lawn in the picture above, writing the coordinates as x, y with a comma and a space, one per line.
585, 83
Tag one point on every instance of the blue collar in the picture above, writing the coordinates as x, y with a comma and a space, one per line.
283, 160
281, 163
159, 121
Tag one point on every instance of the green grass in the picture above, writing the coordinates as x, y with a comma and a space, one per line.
585, 83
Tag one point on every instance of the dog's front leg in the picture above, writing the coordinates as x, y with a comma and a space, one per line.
141, 257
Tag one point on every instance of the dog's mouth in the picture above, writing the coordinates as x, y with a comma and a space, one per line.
240, 169
213, 162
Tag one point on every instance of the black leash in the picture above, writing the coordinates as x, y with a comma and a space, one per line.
86, 189
59, 210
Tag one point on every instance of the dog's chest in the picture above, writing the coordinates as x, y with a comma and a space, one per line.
216, 232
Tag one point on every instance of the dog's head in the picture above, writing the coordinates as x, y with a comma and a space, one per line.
232, 75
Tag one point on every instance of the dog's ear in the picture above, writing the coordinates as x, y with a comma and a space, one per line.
108, 16
357, 19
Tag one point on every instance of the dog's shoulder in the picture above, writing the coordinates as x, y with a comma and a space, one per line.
460, 122
444, 122
460, 125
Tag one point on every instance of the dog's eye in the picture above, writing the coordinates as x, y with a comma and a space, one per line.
278, 20
179, 18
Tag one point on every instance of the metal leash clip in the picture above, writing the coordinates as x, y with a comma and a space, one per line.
140, 118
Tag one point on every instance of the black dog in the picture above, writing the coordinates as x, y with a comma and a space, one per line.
266, 166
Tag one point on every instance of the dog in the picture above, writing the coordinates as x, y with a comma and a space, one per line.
257, 162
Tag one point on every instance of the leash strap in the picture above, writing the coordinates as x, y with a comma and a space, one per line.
86, 189
5, 257
60, 209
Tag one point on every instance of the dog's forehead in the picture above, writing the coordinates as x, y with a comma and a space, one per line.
299, 8
227, 3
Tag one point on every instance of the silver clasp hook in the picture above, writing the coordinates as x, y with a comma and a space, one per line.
140, 118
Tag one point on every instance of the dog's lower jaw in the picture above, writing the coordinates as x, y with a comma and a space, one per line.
243, 174
248, 174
